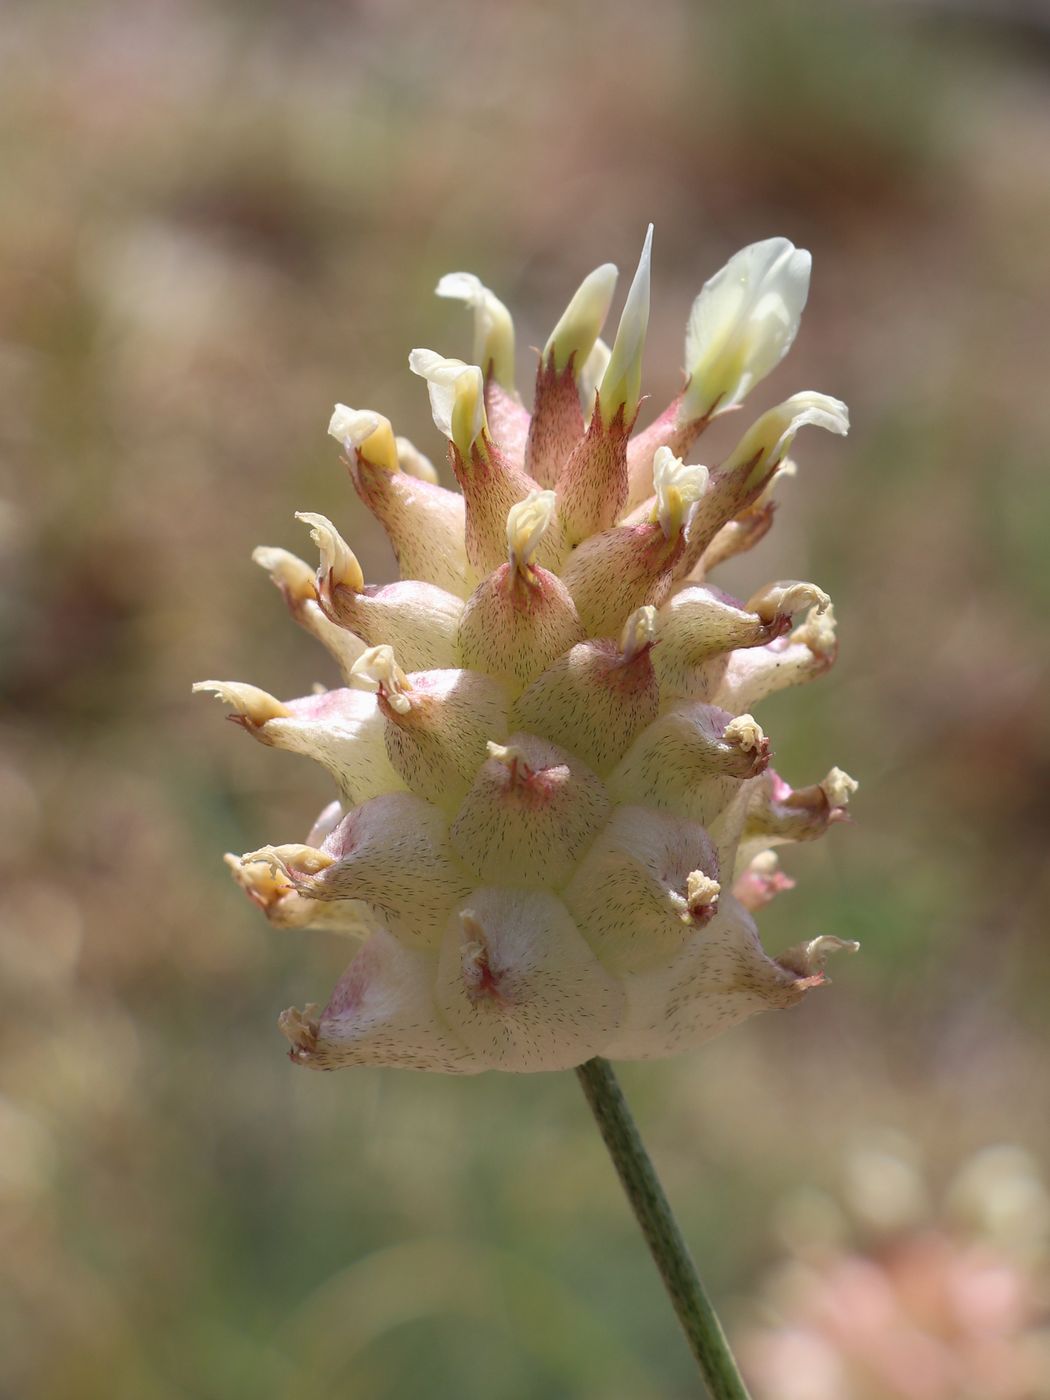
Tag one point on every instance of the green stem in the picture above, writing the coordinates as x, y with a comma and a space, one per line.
695, 1312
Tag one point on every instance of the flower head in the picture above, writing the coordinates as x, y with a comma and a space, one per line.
555, 812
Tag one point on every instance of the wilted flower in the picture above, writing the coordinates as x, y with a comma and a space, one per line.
555, 812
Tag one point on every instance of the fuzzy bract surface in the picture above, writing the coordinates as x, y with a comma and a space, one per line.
554, 814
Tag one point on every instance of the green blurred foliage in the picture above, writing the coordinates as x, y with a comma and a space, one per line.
215, 221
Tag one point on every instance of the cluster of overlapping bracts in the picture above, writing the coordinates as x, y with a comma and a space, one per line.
556, 814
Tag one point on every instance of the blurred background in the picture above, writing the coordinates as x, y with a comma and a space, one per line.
216, 220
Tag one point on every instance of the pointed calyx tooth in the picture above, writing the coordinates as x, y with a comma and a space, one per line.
649, 880
720, 977
591, 375
493, 325
377, 670
415, 463
366, 434
527, 523
457, 397
292, 575
492, 485
338, 567
519, 985
592, 484
620, 391
785, 599
677, 488
581, 323
558, 419
742, 324
529, 814
761, 881
253, 705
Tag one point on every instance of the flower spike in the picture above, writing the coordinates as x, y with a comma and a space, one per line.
554, 813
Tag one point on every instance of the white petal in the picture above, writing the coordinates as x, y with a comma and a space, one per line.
743, 323
590, 376
493, 326
621, 384
583, 318
769, 439
678, 488
527, 522
457, 396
